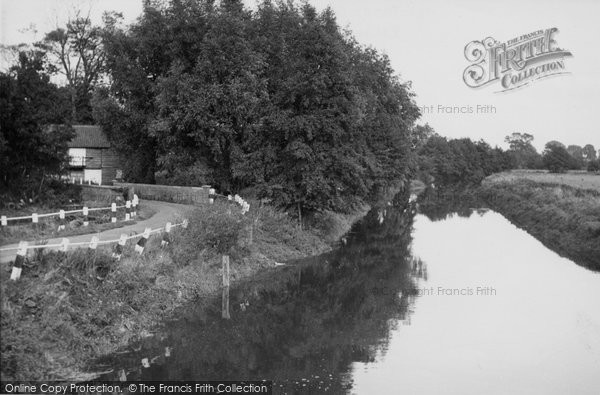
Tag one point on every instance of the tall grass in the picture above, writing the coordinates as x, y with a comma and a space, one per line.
565, 219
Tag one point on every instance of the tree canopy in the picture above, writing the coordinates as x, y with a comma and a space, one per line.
278, 100
460, 162
557, 159
28, 103
522, 151
76, 54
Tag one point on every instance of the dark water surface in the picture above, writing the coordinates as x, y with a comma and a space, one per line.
463, 304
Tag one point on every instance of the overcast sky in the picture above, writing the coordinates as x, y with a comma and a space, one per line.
425, 41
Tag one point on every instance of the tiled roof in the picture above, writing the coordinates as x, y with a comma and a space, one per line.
88, 136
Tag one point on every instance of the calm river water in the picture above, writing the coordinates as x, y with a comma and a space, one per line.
463, 304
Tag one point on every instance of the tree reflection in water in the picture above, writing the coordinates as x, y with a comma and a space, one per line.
439, 204
301, 325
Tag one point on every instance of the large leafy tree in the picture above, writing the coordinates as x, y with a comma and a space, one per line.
29, 150
589, 152
135, 58
77, 55
522, 150
557, 159
210, 103
278, 100
577, 153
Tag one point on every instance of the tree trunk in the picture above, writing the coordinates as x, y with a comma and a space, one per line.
73, 105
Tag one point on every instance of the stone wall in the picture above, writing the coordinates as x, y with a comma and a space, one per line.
101, 193
169, 193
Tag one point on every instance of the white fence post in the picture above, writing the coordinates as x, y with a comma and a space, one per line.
93, 243
118, 252
61, 223
165, 238
128, 210
18, 265
64, 244
141, 244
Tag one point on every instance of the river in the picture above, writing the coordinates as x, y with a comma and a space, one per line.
451, 303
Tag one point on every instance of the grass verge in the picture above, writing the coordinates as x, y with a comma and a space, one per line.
566, 219
575, 179
71, 308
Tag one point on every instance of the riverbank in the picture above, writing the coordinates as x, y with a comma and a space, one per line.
562, 211
68, 309
307, 319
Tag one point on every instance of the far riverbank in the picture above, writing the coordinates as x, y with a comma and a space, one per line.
560, 210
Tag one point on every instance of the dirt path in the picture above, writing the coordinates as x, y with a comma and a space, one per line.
165, 212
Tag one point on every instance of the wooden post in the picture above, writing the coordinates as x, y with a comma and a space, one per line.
225, 270
225, 299
225, 305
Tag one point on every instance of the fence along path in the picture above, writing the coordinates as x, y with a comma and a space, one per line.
23, 247
129, 206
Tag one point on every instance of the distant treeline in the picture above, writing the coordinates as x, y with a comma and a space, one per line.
459, 162
556, 157
463, 162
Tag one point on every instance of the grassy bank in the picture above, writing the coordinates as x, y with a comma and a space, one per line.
71, 308
575, 179
563, 217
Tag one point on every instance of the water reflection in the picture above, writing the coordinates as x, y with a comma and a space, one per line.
387, 313
302, 325
440, 204
499, 314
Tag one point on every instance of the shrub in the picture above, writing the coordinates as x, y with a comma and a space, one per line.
54, 193
215, 228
